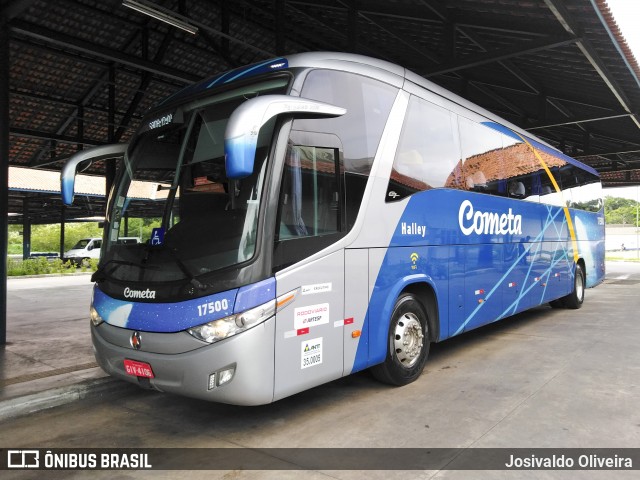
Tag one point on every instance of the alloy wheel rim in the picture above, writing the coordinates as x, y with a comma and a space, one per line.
408, 340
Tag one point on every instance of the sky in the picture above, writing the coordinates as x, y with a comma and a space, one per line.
627, 16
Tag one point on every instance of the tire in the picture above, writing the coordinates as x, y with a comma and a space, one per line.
84, 263
406, 358
576, 298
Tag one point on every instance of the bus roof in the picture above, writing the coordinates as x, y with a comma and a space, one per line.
372, 67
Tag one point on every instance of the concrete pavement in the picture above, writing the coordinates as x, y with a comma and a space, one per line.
545, 378
48, 359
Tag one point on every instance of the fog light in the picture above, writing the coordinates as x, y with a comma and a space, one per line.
212, 381
226, 375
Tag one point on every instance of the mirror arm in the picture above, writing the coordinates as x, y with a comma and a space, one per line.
68, 174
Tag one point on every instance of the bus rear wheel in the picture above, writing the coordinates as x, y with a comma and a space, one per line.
408, 344
576, 298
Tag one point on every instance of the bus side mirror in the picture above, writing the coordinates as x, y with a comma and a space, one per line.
241, 135
68, 174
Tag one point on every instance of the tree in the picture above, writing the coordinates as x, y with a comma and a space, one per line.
620, 210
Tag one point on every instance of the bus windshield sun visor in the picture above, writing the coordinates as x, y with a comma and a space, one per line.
244, 125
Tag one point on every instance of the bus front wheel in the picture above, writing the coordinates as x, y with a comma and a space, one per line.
408, 345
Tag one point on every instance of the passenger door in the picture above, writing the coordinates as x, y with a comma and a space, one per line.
310, 218
309, 332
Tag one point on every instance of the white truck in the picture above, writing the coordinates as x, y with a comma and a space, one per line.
87, 248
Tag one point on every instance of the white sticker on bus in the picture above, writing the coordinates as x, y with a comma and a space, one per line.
310, 316
316, 288
311, 353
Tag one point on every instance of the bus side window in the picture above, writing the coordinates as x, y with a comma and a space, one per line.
368, 103
427, 152
311, 208
586, 194
482, 158
309, 193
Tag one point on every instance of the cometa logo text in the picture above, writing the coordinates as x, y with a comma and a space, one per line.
476, 221
128, 293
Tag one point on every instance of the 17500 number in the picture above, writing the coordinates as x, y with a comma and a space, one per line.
213, 307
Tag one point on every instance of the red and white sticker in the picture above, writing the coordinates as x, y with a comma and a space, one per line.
512, 284
296, 333
311, 316
479, 292
342, 323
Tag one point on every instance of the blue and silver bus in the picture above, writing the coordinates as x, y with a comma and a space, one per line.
324, 213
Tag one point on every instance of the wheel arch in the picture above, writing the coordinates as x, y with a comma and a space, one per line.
381, 309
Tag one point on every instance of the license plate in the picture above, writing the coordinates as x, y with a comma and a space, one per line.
138, 369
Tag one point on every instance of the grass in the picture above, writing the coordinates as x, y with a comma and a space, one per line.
42, 266
620, 256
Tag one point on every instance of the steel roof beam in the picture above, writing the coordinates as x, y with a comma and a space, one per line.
577, 121
496, 56
326, 29
420, 51
600, 137
612, 152
338, 33
144, 85
95, 50
508, 65
444, 16
502, 101
40, 135
60, 101
37, 159
463, 20
550, 96
79, 57
568, 22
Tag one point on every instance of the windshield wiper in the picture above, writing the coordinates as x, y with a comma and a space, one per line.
183, 268
100, 274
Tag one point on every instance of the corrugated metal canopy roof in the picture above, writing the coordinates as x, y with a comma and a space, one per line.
83, 72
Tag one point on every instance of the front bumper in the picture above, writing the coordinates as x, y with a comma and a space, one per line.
181, 364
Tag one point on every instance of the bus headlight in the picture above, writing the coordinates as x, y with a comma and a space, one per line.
95, 317
228, 326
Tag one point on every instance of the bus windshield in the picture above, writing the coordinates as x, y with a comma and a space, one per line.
173, 192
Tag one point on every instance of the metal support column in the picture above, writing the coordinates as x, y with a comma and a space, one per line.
4, 172
26, 229
63, 213
110, 164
